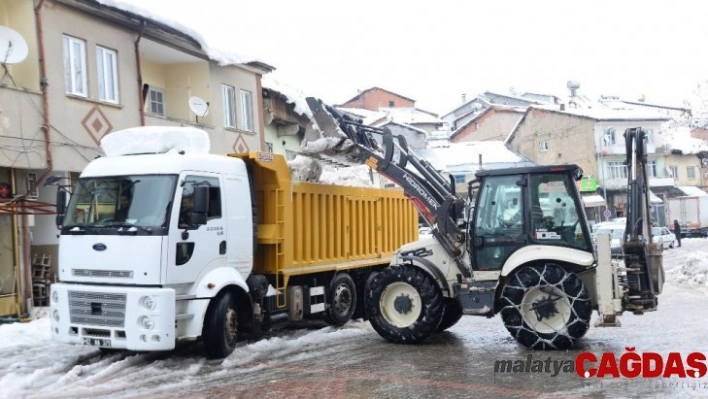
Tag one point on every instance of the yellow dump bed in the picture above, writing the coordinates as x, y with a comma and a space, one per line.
308, 228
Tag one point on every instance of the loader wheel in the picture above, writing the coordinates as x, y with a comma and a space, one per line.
220, 331
342, 300
452, 313
362, 284
404, 304
545, 307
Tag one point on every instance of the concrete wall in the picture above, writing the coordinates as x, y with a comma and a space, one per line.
18, 15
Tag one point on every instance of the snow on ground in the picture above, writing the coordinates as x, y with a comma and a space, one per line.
32, 365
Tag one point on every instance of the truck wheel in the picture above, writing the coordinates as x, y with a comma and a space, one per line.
545, 307
342, 300
404, 304
220, 331
452, 313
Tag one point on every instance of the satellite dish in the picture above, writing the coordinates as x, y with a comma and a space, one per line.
13, 47
199, 107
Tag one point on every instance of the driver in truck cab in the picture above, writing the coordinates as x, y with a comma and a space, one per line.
185, 212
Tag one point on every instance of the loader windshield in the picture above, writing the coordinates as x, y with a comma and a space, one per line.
115, 204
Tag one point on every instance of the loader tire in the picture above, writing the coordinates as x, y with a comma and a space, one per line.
341, 300
404, 304
452, 313
220, 331
545, 307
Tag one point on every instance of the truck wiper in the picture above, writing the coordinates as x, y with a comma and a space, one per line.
131, 228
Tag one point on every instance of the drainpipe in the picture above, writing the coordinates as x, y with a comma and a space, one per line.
141, 100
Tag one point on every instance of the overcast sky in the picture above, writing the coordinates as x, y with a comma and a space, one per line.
434, 51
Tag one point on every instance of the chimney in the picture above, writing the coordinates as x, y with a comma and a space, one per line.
464, 97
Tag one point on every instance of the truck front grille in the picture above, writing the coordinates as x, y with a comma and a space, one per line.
97, 308
102, 273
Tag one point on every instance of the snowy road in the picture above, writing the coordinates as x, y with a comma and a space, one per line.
354, 361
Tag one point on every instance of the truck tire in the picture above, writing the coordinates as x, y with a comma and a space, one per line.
404, 304
362, 284
341, 300
545, 307
452, 313
220, 331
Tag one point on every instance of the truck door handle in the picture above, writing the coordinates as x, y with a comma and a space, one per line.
222, 247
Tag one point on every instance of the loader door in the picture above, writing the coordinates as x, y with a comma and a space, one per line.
500, 220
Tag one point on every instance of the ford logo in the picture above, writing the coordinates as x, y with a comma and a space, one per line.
99, 247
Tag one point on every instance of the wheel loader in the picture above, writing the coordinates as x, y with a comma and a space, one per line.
523, 251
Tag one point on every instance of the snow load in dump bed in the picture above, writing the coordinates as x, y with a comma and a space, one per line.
156, 140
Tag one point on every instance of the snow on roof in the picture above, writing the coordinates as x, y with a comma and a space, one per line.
223, 58
294, 96
465, 156
411, 127
368, 117
607, 114
679, 138
409, 115
692, 191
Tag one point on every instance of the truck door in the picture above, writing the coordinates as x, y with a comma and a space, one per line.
191, 249
499, 222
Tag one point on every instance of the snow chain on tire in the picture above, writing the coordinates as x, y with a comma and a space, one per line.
545, 307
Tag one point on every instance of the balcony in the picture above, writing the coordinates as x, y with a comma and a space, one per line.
172, 78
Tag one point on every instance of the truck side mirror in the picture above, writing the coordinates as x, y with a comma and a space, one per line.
201, 205
61, 206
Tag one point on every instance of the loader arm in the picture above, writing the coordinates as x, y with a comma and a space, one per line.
348, 140
642, 258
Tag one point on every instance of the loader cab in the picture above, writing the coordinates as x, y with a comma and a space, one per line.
537, 205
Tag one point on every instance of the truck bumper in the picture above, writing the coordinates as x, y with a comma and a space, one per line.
131, 318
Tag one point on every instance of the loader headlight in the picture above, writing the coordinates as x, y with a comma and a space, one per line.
147, 302
145, 322
55, 296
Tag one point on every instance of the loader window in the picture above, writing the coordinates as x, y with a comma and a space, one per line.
555, 211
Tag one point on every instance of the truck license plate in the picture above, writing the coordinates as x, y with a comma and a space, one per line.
97, 342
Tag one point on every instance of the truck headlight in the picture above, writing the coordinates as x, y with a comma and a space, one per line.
55, 296
147, 302
145, 322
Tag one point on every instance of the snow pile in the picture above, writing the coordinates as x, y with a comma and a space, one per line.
692, 271
305, 169
293, 95
223, 58
354, 176
156, 139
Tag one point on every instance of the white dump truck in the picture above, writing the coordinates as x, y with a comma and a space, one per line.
162, 241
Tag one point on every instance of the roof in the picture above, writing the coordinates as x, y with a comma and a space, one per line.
606, 114
692, 191
132, 11
376, 88
413, 128
497, 108
464, 157
292, 95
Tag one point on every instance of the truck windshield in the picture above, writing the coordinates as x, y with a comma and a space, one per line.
121, 201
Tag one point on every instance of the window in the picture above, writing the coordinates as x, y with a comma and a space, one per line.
228, 97
543, 146
673, 171
246, 111
460, 179
75, 66
691, 172
214, 206
651, 169
392, 104
617, 170
32, 190
156, 101
608, 138
650, 135
107, 74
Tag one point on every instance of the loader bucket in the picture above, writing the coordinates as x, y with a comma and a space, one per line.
323, 134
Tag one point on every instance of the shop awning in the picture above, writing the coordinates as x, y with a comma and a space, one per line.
654, 199
594, 200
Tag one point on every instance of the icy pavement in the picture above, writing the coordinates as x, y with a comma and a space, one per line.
354, 361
